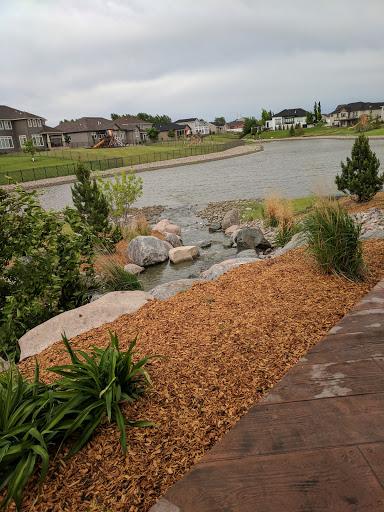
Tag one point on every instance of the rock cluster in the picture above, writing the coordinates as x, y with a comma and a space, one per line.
370, 220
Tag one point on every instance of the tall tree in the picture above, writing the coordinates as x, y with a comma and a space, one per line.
264, 116
319, 111
315, 112
360, 174
249, 123
309, 118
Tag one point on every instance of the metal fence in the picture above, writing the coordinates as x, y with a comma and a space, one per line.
40, 173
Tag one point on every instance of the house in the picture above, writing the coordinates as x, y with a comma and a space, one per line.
17, 126
349, 114
286, 118
215, 127
88, 131
236, 126
196, 125
180, 130
135, 129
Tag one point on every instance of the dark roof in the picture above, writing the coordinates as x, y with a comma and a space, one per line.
13, 114
215, 123
170, 126
87, 124
128, 126
358, 105
291, 112
49, 129
235, 123
130, 120
186, 120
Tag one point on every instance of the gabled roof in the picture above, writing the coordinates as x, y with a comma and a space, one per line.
215, 123
187, 120
122, 121
87, 124
49, 129
235, 123
170, 126
291, 112
128, 127
358, 105
9, 113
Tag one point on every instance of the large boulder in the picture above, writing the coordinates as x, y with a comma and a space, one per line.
232, 229
167, 290
373, 234
231, 218
165, 226
147, 250
82, 319
185, 253
296, 241
133, 269
215, 271
173, 239
250, 238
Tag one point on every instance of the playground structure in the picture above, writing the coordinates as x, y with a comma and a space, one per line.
363, 121
196, 138
109, 141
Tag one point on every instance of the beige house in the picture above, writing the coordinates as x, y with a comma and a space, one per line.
215, 127
350, 113
179, 130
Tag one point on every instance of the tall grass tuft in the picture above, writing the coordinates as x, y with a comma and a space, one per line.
138, 227
333, 240
278, 212
115, 278
271, 209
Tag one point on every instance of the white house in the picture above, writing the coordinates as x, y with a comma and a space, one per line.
286, 118
196, 125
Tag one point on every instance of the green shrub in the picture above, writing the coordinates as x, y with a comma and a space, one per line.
36, 418
333, 240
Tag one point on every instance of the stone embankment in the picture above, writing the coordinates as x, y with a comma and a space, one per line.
176, 162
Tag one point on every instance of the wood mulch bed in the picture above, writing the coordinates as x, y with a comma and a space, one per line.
353, 207
228, 342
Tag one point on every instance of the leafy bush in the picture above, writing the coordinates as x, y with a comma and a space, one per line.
40, 262
360, 175
35, 416
333, 240
124, 190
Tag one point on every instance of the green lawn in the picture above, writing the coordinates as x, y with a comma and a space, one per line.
318, 130
254, 209
11, 163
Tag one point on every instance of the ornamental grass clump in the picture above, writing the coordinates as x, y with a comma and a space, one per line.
333, 240
37, 418
115, 278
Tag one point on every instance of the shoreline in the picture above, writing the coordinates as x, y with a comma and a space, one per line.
152, 166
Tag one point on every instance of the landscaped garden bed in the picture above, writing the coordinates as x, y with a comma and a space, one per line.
228, 342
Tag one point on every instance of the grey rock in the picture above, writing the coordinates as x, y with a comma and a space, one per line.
173, 239
204, 244
167, 290
250, 238
133, 269
227, 243
214, 227
217, 270
82, 319
147, 250
373, 234
231, 218
4, 365
249, 253
296, 241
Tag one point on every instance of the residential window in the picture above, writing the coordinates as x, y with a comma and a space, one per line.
5, 125
1, 125
30, 123
93, 135
34, 123
39, 122
37, 140
22, 139
289, 120
6, 142
277, 122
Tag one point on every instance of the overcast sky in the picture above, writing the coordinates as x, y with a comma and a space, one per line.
204, 58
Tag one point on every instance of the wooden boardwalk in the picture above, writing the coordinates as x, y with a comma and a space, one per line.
316, 440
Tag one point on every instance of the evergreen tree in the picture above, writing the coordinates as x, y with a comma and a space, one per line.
309, 118
319, 111
360, 175
90, 201
292, 131
315, 112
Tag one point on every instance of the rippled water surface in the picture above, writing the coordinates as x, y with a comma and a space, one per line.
296, 168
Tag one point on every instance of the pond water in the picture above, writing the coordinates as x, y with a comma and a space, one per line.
295, 168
